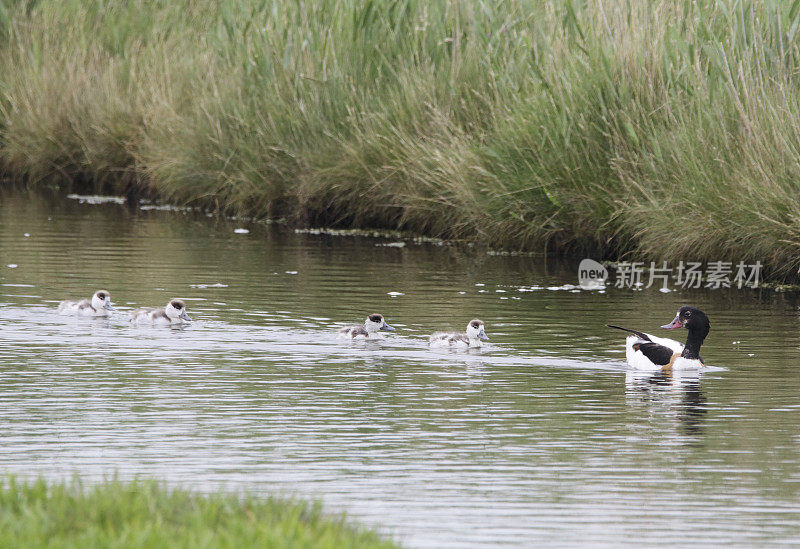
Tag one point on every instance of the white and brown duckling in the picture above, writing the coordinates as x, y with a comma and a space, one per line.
173, 313
648, 352
99, 305
473, 337
372, 328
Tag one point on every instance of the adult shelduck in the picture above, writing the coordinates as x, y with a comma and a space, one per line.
647, 352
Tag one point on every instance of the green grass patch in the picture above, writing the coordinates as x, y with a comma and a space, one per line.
147, 514
667, 129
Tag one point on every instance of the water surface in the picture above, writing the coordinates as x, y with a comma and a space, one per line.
541, 437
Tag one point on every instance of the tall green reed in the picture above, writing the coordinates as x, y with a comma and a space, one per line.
667, 130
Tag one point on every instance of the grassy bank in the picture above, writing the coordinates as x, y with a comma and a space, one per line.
144, 514
670, 129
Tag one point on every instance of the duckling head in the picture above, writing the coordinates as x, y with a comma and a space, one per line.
102, 300
477, 330
375, 323
176, 309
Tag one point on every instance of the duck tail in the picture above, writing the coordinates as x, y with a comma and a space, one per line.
641, 335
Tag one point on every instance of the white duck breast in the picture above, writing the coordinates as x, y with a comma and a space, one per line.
99, 305
474, 336
173, 313
372, 328
648, 352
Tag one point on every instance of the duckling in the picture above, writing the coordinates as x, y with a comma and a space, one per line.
173, 313
647, 352
99, 305
371, 329
474, 336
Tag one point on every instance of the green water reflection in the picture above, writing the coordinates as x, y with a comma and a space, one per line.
542, 436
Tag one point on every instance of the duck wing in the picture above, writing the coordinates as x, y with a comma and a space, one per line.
647, 352
140, 314
641, 337
448, 338
353, 331
655, 353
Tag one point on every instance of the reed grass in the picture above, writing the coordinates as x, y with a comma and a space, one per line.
668, 130
145, 514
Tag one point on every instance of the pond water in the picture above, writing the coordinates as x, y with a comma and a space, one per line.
541, 437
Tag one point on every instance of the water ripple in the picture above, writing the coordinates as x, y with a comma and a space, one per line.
543, 437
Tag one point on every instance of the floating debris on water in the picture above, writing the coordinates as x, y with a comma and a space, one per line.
394, 235
779, 287
241, 231
96, 199
514, 253
529, 288
349, 232
395, 294
165, 208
